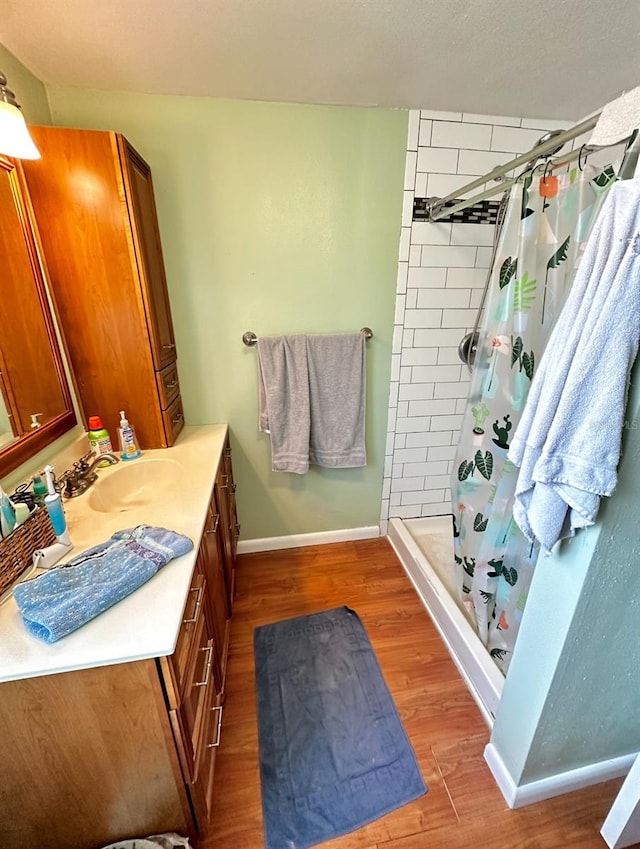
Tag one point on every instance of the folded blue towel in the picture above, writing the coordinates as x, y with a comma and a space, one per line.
56, 603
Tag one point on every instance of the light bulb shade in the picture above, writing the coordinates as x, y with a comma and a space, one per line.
14, 136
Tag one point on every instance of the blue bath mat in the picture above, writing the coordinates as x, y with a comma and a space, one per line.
333, 753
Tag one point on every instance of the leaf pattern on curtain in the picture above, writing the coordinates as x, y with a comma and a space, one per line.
542, 239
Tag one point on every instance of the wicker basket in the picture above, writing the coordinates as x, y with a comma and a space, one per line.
16, 551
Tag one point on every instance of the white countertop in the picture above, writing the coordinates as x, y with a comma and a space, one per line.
146, 623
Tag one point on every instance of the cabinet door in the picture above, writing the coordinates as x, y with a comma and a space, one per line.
225, 489
201, 790
87, 759
192, 714
81, 199
216, 596
179, 662
144, 224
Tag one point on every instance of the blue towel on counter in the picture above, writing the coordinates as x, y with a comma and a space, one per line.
56, 603
569, 438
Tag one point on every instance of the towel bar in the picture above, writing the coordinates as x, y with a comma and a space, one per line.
249, 337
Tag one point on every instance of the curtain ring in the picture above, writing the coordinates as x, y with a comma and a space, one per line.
548, 168
581, 164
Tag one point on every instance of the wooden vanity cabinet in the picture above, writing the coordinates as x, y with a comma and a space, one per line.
93, 756
93, 199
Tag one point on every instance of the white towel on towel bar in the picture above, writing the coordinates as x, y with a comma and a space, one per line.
312, 400
569, 437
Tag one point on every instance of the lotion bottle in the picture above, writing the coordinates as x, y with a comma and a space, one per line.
128, 444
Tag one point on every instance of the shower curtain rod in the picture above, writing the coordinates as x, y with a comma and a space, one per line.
437, 208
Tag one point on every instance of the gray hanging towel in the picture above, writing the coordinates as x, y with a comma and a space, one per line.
312, 400
568, 441
337, 389
284, 409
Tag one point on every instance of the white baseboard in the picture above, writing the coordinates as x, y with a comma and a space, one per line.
250, 546
622, 825
554, 785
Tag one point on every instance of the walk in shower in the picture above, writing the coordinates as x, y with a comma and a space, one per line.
472, 568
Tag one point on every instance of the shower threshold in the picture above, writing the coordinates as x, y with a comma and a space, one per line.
425, 549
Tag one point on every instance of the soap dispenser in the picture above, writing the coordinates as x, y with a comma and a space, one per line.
128, 444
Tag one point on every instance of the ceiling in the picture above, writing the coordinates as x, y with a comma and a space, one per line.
551, 58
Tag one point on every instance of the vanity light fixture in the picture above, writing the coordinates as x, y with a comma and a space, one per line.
14, 136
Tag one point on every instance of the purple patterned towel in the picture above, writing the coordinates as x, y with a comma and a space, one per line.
60, 601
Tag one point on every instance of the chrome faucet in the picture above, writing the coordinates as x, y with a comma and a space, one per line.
79, 479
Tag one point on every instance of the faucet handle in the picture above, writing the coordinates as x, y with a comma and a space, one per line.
84, 462
68, 482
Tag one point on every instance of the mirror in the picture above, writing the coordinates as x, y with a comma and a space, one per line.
35, 402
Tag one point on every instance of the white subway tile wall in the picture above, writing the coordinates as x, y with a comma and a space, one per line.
442, 270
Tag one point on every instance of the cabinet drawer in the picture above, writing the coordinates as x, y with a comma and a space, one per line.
168, 385
193, 612
199, 695
201, 789
173, 421
175, 667
198, 676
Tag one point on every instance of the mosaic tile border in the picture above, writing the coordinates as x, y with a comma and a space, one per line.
482, 212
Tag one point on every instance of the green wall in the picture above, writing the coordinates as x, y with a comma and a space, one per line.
274, 218
30, 92
571, 696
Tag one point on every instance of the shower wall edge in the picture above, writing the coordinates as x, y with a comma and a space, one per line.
480, 674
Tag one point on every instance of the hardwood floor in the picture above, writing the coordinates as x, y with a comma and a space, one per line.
463, 807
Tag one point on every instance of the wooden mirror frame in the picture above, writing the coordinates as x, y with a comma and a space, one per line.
24, 447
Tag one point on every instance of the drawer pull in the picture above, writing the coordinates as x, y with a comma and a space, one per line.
171, 385
207, 672
216, 742
170, 347
234, 487
196, 609
224, 485
177, 419
216, 522
237, 529
227, 453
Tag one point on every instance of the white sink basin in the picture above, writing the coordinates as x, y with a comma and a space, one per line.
135, 484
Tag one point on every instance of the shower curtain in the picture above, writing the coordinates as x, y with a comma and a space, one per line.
543, 235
